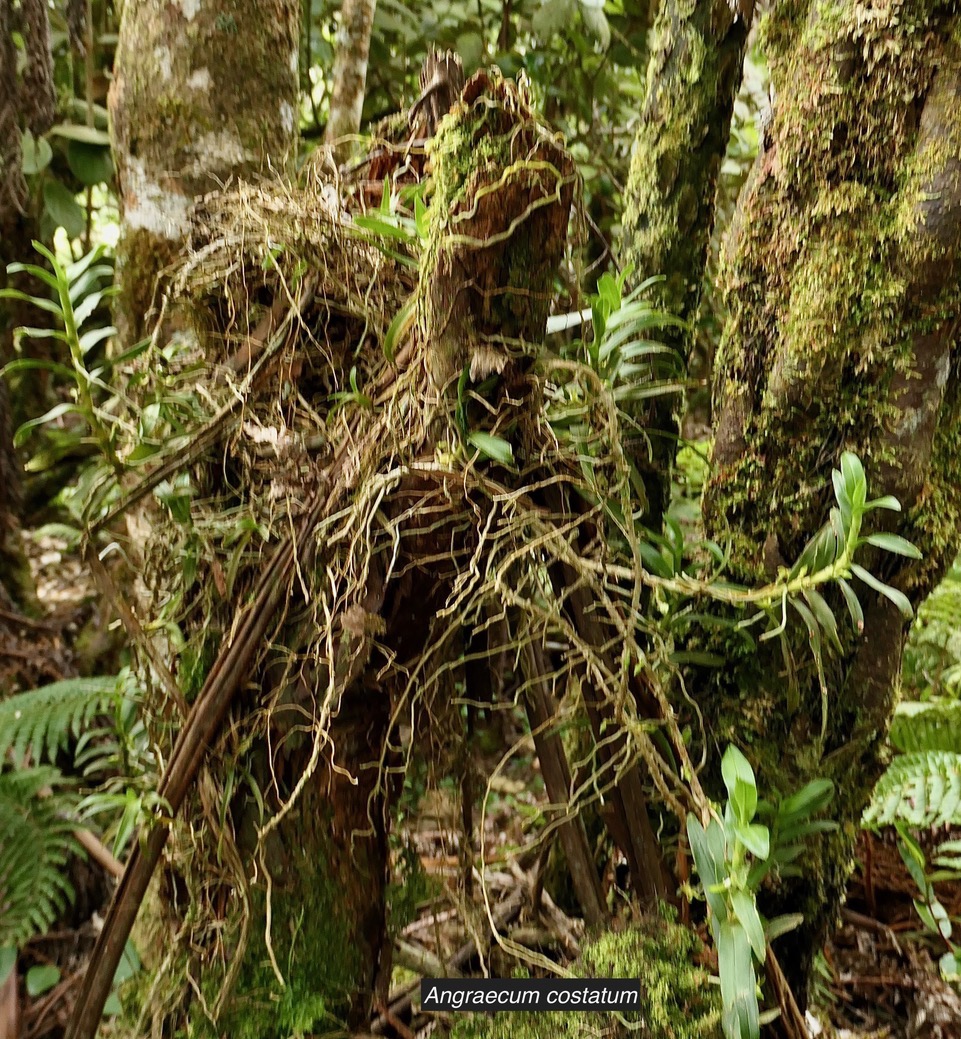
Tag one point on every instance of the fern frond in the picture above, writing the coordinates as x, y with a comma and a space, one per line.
36, 839
921, 789
935, 725
41, 721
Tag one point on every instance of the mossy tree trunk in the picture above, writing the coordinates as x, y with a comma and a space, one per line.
841, 279
697, 53
27, 102
202, 93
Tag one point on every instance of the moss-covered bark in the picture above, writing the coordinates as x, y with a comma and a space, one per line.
501, 195
17, 228
697, 53
841, 278
202, 93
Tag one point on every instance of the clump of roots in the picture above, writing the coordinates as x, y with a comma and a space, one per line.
460, 547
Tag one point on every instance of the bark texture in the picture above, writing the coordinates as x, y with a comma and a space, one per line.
19, 110
841, 278
201, 94
697, 53
350, 74
39, 94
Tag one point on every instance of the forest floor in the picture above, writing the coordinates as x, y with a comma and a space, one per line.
878, 976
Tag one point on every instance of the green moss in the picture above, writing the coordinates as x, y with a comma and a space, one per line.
314, 947
691, 82
677, 999
315, 940
500, 192
834, 341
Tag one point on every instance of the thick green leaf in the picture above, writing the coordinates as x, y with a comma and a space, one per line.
41, 979
746, 912
756, 838
84, 134
738, 982
470, 47
493, 447
35, 272
818, 553
38, 301
773, 929
20, 437
88, 305
63, 208
887, 502
740, 782
811, 798
28, 364
894, 543
44, 333
855, 482
35, 154
551, 17
824, 616
596, 23
707, 847
853, 605
897, 597
90, 163
90, 279
74, 270
399, 322
96, 335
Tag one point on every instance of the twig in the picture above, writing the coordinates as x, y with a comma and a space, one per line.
792, 1020
100, 854
27, 622
502, 916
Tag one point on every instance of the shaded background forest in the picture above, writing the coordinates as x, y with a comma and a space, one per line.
92, 752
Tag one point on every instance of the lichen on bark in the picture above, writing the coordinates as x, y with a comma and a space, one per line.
350, 74
201, 94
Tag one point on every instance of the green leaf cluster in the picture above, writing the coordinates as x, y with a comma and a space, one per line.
77, 290
732, 856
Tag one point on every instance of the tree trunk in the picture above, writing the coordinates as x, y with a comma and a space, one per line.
841, 278
201, 94
27, 105
350, 74
697, 53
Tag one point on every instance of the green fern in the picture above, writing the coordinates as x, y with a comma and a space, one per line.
932, 656
42, 720
36, 840
922, 789
934, 725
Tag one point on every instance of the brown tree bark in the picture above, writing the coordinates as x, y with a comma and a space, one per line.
25, 104
324, 932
